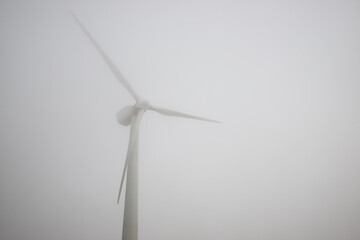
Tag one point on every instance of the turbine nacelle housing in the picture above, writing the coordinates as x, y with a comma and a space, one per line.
125, 115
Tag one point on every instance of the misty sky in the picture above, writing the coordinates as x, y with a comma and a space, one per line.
282, 76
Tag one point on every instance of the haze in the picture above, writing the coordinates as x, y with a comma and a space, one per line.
282, 76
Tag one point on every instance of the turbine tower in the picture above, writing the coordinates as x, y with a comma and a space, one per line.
132, 115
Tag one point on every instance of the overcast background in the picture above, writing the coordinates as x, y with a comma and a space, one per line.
282, 76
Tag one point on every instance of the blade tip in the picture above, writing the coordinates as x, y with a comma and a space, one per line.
71, 13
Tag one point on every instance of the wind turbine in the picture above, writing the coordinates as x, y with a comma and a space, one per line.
132, 115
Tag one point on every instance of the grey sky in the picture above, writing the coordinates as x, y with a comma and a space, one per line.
282, 76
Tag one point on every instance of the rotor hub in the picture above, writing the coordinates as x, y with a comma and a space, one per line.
142, 104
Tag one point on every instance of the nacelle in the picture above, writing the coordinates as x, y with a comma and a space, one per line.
125, 114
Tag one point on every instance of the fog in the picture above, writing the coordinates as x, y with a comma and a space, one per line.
282, 76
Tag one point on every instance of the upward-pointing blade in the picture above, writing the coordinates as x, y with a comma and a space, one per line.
108, 61
173, 113
133, 136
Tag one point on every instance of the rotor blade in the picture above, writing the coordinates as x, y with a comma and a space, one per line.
108, 61
133, 136
173, 113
